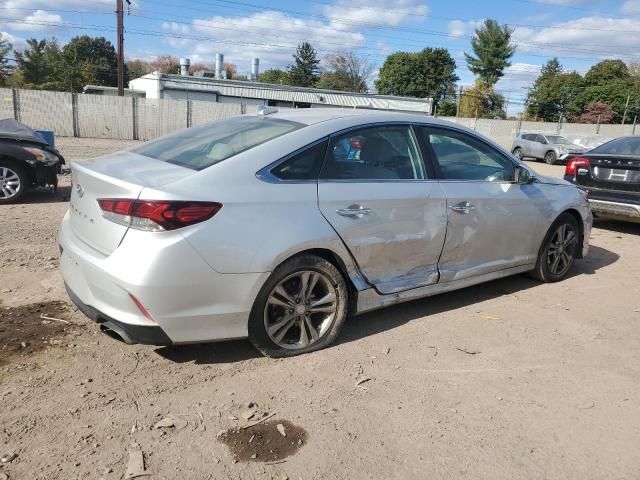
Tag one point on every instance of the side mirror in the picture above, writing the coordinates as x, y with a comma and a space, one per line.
522, 175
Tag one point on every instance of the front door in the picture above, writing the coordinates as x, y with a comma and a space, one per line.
376, 192
490, 217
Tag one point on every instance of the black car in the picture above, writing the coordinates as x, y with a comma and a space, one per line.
26, 160
610, 174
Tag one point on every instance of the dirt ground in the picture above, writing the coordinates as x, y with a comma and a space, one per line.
510, 379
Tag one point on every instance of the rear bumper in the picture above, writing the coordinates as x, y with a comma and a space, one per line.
188, 301
626, 211
148, 335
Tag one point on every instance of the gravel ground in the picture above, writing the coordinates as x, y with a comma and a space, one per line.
510, 379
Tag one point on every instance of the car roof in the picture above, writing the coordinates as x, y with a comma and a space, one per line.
310, 116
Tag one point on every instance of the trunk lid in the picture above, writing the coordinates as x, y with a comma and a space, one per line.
609, 172
122, 175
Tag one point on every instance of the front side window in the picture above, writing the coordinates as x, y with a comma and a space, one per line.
387, 152
463, 157
200, 147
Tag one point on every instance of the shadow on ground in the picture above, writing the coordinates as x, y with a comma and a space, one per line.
390, 317
618, 226
46, 195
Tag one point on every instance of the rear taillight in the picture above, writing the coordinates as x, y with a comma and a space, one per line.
157, 215
573, 164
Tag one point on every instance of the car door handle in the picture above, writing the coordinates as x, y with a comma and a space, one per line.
462, 207
353, 211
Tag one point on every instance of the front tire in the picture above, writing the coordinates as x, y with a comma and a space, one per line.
13, 182
300, 309
558, 251
517, 152
550, 157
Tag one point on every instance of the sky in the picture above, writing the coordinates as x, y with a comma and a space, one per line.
578, 32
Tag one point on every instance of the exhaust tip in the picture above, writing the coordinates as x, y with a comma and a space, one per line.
109, 332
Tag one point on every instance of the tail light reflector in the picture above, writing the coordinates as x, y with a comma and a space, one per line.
573, 164
157, 215
142, 308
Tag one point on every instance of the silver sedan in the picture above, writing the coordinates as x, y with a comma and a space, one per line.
278, 226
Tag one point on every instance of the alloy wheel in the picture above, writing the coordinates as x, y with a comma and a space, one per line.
561, 249
301, 309
9, 183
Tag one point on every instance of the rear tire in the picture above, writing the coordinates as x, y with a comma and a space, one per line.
300, 309
558, 251
550, 157
13, 182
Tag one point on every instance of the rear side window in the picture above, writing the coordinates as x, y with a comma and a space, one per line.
620, 146
304, 165
200, 147
387, 152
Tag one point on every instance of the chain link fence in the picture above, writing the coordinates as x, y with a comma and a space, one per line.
127, 118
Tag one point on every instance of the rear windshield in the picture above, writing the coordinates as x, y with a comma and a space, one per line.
620, 146
205, 145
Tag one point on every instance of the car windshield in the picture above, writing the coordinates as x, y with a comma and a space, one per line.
620, 146
558, 140
200, 147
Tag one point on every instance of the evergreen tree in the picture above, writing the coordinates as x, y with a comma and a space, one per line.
5, 70
492, 47
304, 72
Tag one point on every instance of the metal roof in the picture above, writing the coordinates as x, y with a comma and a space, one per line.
287, 93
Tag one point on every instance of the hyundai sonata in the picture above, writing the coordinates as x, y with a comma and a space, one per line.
279, 225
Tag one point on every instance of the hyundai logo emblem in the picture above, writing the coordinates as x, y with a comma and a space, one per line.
79, 190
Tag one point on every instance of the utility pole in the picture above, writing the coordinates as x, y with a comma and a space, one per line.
626, 105
120, 28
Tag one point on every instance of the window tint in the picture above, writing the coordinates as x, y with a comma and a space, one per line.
200, 147
541, 139
375, 153
304, 165
620, 146
462, 157
528, 136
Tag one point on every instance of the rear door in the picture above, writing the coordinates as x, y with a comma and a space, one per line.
490, 217
378, 195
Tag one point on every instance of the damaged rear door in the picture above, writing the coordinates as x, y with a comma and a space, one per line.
376, 192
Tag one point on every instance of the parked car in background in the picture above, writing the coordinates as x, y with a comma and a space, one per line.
610, 174
276, 226
587, 141
26, 160
550, 148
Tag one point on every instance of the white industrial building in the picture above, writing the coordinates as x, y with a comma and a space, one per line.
214, 87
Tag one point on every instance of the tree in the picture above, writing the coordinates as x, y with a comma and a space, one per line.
304, 72
198, 67
88, 61
607, 71
5, 70
492, 47
596, 112
555, 93
428, 73
32, 62
482, 101
138, 68
231, 69
615, 95
346, 71
275, 76
634, 69
166, 64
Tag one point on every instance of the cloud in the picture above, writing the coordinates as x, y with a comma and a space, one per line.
38, 21
587, 37
350, 14
99, 5
466, 28
631, 7
18, 43
242, 38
